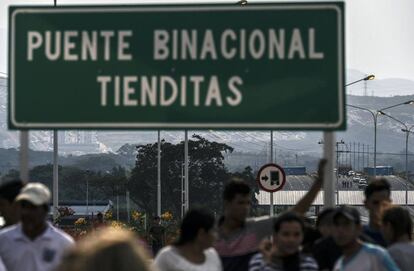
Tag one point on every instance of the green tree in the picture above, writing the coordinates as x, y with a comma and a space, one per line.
207, 174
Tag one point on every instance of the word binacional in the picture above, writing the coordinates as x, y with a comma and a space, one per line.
232, 44
166, 91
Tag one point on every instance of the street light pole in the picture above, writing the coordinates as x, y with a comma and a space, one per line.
375, 117
407, 132
369, 77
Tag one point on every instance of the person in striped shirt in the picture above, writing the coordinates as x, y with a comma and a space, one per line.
284, 254
239, 237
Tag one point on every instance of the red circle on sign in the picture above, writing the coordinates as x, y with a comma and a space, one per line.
281, 171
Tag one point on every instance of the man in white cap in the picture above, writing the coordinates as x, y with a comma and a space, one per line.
33, 244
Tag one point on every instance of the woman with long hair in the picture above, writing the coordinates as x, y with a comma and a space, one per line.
193, 250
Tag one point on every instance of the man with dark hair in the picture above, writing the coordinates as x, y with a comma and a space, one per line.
325, 251
288, 234
397, 228
34, 244
239, 238
357, 255
8, 208
377, 198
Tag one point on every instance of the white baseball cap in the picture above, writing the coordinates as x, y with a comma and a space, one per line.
35, 193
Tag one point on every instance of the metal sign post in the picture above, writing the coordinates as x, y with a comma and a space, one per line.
329, 154
271, 178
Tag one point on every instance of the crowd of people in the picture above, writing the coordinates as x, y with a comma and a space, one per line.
286, 242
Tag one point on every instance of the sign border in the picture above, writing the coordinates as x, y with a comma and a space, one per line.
281, 170
338, 124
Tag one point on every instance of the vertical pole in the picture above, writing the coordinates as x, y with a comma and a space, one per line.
375, 144
55, 175
359, 168
24, 155
329, 154
87, 195
187, 203
354, 165
128, 206
117, 204
337, 172
406, 166
363, 157
271, 161
182, 192
159, 175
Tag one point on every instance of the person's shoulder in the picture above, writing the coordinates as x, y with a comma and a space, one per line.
378, 252
309, 263
211, 252
373, 249
9, 231
261, 221
256, 260
401, 246
166, 257
213, 257
166, 252
61, 236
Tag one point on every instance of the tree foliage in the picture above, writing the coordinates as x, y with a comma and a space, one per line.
207, 174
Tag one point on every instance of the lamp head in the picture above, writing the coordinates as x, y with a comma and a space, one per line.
369, 77
409, 102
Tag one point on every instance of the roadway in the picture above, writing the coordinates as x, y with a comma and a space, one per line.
304, 182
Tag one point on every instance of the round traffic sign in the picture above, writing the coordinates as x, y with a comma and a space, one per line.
271, 177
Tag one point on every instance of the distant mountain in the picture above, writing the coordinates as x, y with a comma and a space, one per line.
359, 123
379, 87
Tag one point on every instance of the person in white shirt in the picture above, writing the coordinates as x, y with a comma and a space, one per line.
397, 228
193, 249
2, 267
357, 255
34, 244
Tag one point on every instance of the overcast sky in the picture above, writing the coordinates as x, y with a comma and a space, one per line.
379, 35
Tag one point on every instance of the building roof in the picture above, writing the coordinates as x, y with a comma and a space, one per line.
290, 198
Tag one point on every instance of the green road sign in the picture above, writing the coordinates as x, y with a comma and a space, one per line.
278, 66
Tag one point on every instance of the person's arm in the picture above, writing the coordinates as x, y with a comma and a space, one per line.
304, 203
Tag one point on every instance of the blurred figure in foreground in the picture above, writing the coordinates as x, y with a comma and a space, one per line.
285, 253
193, 249
377, 199
9, 209
239, 238
107, 250
357, 255
325, 251
397, 228
34, 244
